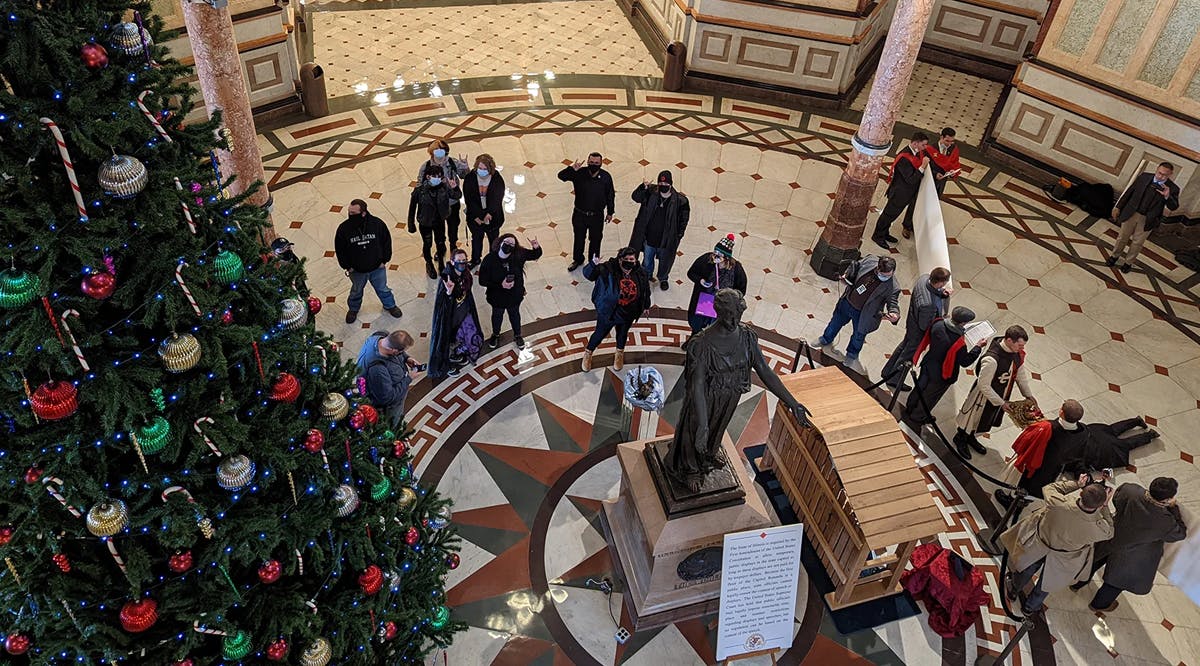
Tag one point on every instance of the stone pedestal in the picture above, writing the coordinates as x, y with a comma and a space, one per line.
671, 566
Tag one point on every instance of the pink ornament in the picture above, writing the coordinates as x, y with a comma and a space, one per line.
357, 421
196, 187
412, 536
199, 201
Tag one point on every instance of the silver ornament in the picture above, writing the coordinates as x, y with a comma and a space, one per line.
122, 176
235, 472
127, 40
293, 314
440, 519
345, 500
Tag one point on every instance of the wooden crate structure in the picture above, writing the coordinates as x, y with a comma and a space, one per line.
852, 479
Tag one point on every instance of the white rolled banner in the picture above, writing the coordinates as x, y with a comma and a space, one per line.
929, 231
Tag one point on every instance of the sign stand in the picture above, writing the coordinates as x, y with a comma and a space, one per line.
750, 655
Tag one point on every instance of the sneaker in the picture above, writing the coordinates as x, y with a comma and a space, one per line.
395, 311
494, 341
573, 266
1153, 434
351, 315
454, 372
664, 285
520, 341
1111, 261
822, 343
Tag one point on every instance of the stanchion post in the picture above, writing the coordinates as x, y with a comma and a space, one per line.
987, 536
804, 349
993, 660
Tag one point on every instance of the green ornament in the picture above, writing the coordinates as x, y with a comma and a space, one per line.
228, 267
17, 288
440, 617
387, 436
156, 394
380, 491
236, 646
402, 474
153, 436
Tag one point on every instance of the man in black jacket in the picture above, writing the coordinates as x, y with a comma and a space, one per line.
927, 304
595, 203
947, 353
661, 221
904, 182
363, 246
1139, 211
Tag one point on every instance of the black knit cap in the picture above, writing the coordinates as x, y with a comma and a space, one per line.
664, 176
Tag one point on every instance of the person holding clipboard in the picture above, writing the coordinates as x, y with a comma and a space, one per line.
709, 273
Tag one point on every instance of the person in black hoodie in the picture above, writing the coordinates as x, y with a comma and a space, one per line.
429, 207
661, 220
502, 275
621, 295
484, 190
711, 272
363, 246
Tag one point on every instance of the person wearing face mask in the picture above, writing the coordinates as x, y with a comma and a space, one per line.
429, 207
484, 190
363, 247
661, 220
502, 274
942, 351
710, 273
456, 338
869, 297
453, 171
595, 203
621, 294
1139, 211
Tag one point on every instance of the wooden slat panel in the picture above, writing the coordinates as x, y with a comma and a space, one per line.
913, 533
881, 468
892, 493
849, 462
877, 512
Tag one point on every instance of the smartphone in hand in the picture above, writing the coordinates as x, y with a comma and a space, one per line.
422, 367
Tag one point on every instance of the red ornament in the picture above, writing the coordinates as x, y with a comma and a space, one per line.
55, 400
314, 305
369, 413
181, 561
314, 441
278, 650
357, 421
399, 448
270, 571
187, 661
140, 615
17, 644
227, 317
98, 285
33, 474
286, 388
390, 631
6, 534
63, 562
93, 56
412, 536
371, 580
453, 560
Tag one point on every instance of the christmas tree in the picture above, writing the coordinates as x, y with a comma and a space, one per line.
187, 474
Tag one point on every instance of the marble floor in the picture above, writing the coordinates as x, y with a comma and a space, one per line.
524, 442
365, 49
938, 97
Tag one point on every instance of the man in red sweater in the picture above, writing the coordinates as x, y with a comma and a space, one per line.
944, 156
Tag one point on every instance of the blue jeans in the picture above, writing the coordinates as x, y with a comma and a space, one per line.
844, 314
648, 255
378, 280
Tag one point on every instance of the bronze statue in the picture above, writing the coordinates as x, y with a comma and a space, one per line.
716, 374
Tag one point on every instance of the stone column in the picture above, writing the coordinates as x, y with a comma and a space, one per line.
219, 68
844, 229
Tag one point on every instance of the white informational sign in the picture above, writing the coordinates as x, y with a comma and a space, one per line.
760, 571
929, 230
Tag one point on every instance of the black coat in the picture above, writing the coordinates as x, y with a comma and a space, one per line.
678, 212
1064, 453
906, 178
494, 269
606, 292
495, 200
1142, 190
1140, 528
429, 205
703, 268
942, 336
362, 244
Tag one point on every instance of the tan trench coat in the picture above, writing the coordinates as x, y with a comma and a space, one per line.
1060, 532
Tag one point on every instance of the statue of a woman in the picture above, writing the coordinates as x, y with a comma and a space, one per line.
716, 374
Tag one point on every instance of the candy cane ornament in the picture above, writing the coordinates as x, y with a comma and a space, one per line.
74, 344
186, 291
202, 521
205, 630
209, 442
50, 482
150, 116
68, 165
187, 212
112, 549
324, 357
53, 321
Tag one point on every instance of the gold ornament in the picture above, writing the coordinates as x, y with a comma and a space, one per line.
107, 518
206, 527
345, 500
335, 407
180, 353
235, 472
293, 314
317, 654
407, 497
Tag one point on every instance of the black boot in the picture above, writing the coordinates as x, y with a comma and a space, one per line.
429, 270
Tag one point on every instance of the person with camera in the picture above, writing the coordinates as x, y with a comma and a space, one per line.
869, 297
1140, 210
1145, 520
1058, 538
384, 361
